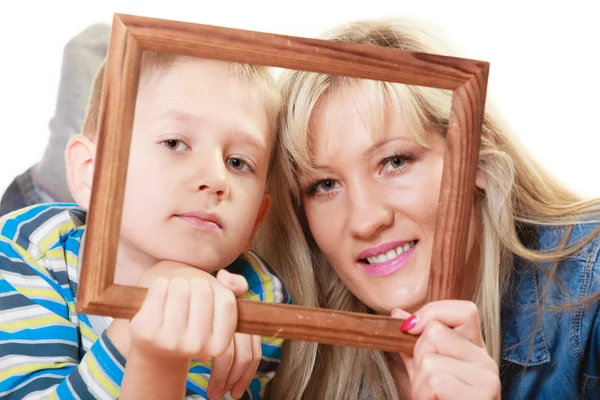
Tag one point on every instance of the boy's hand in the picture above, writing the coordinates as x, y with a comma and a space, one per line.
183, 319
119, 332
233, 370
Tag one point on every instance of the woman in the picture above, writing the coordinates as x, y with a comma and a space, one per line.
354, 207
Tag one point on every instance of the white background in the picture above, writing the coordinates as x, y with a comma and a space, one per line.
545, 67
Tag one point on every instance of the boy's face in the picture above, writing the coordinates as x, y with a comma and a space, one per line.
197, 167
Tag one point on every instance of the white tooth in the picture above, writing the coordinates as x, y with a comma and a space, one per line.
407, 246
391, 254
381, 258
399, 250
372, 260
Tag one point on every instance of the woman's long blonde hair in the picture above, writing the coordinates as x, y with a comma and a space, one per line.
518, 191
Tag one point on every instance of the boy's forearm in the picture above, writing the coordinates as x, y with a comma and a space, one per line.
148, 377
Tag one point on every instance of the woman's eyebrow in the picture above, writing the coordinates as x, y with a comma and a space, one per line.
383, 142
369, 152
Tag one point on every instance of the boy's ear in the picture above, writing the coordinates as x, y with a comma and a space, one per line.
480, 179
265, 206
79, 157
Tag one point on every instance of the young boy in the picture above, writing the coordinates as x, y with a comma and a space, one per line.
202, 138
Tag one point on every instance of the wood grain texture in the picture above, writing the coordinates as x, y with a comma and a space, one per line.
115, 123
346, 59
457, 189
284, 321
131, 35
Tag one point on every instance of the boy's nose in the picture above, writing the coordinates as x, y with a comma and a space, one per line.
215, 185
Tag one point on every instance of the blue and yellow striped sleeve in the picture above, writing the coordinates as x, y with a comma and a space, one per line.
43, 350
264, 285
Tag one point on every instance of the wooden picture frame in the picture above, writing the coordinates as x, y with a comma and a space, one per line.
131, 35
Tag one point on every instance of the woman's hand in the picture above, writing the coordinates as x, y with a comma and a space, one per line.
450, 360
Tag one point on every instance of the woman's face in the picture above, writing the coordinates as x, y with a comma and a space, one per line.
372, 206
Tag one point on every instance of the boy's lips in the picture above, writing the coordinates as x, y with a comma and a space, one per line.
202, 219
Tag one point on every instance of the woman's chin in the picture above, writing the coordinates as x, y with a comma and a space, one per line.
401, 298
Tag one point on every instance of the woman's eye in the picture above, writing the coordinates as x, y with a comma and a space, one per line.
175, 145
394, 163
238, 164
326, 185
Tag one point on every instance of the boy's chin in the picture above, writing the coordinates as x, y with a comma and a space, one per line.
208, 262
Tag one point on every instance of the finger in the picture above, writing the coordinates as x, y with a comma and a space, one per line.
440, 339
242, 359
407, 360
224, 320
219, 373
175, 315
466, 372
399, 313
234, 282
200, 318
460, 315
240, 387
409, 365
146, 322
442, 386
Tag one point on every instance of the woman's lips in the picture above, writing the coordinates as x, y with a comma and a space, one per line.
390, 264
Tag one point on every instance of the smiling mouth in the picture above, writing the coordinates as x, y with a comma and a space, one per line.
388, 255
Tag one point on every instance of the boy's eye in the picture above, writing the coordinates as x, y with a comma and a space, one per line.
238, 164
175, 145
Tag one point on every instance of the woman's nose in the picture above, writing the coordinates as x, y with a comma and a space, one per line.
368, 214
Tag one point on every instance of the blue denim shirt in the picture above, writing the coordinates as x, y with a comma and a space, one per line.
562, 359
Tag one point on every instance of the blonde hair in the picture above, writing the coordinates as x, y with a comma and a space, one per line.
153, 64
518, 193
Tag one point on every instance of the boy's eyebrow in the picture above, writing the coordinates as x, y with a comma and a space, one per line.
238, 133
179, 116
252, 141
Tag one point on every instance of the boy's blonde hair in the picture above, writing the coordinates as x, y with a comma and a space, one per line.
153, 64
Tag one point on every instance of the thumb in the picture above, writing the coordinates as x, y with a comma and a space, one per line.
234, 282
399, 313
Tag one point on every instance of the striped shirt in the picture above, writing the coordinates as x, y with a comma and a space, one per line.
47, 349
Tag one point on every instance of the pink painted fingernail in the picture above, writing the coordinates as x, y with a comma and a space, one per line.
409, 323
